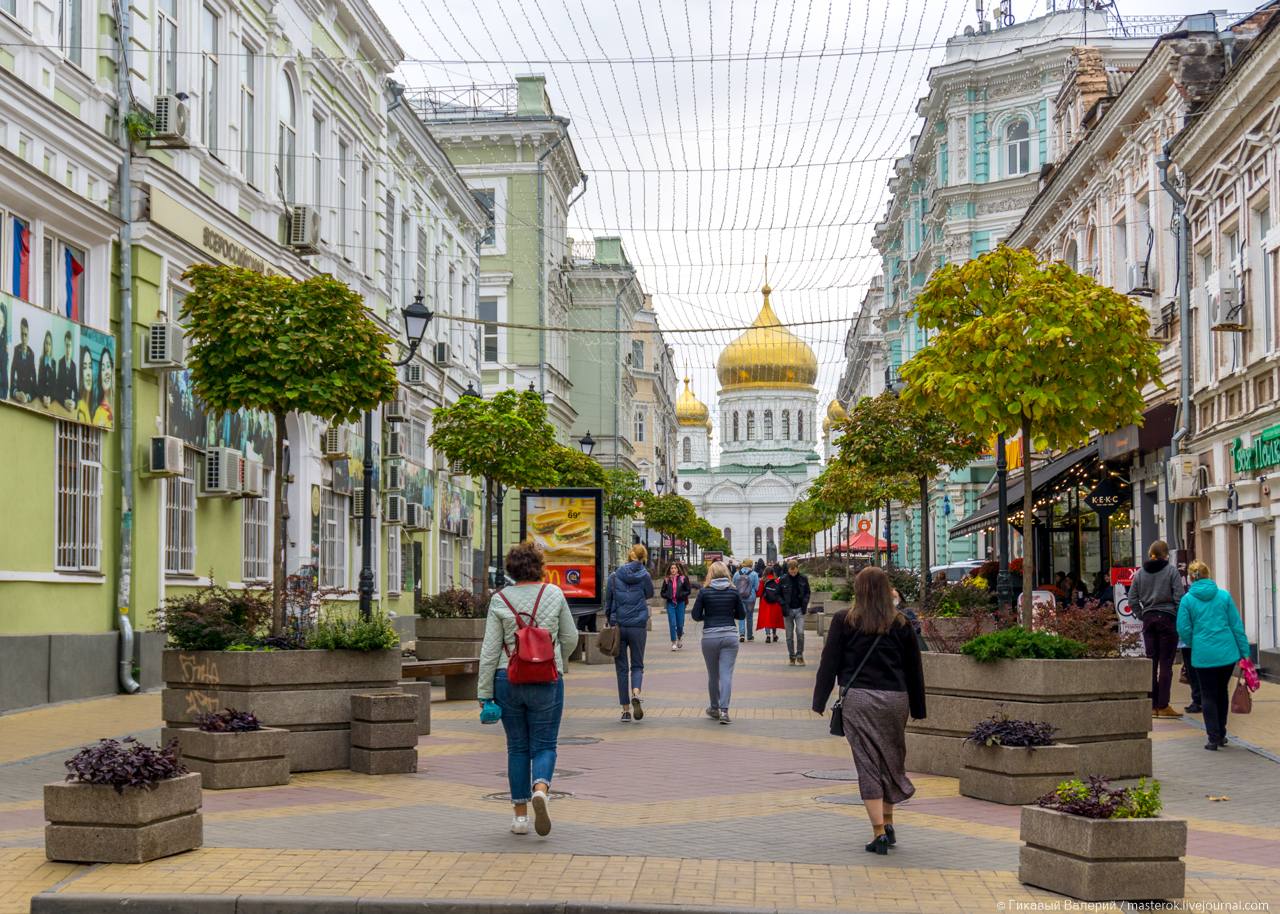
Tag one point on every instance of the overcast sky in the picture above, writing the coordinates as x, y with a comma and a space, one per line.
719, 132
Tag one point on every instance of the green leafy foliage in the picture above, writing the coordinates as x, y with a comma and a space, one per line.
800, 527
1018, 643
576, 470
1095, 799
344, 633
668, 514
623, 493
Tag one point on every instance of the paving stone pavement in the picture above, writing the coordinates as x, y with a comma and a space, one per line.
676, 809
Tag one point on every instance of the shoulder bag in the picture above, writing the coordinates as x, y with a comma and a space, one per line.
609, 641
837, 709
534, 659
1241, 700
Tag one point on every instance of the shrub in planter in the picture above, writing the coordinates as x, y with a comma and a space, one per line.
232, 749
123, 803
455, 603
906, 582
1018, 643
347, 633
955, 614
1089, 842
214, 618
451, 624
1012, 762
1092, 623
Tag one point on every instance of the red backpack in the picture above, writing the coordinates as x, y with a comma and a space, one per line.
534, 659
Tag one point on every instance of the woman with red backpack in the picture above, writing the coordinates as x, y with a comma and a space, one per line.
770, 615
528, 636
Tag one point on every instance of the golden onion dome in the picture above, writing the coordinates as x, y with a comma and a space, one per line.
835, 412
690, 410
767, 355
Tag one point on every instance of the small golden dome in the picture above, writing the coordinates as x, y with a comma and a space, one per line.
767, 355
690, 410
835, 412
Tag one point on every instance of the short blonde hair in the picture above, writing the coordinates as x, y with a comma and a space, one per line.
1198, 571
717, 570
639, 554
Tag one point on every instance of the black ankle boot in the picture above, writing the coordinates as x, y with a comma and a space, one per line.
879, 846
888, 833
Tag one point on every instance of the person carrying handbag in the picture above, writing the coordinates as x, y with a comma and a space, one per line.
872, 651
1209, 624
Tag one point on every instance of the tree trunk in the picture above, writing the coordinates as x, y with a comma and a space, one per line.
875, 539
281, 540
924, 539
490, 505
1028, 511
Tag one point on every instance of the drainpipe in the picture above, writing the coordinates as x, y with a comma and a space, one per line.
542, 260
127, 682
1184, 313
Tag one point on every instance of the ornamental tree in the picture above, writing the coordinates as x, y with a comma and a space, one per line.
889, 436
799, 528
623, 494
274, 344
576, 470
1030, 347
505, 441
668, 514
847, 489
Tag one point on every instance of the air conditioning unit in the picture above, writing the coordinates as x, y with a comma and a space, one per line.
357, 503
440, 353
168, 456
172, 123
395, 478
335, 443
304, 229
464, 527
413, 374
416, 518
456, 469
395, 445
1140, 283
252, 483
397, 410
1226, 312
442, 462
223, 471
164, 347
393, 514
1186, 478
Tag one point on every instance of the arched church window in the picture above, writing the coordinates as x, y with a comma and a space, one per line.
735, 425
1073, 256
759, 540
728, 538
799, 425
768, 535
786, 425
768, 425
751, 425
688, 450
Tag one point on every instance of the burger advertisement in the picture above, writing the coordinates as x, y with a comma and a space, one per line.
566, 525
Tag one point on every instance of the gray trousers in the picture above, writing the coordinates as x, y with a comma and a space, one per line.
795, 634
720, 651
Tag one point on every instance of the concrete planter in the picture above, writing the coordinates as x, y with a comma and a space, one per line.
229, 761
445, 639
1103, 859
1013, 776
91, 823
831, 607
1101, 706
307, 693
384, 733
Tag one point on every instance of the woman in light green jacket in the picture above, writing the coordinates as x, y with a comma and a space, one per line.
530, 711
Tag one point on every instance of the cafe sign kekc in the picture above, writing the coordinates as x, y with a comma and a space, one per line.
1262, 453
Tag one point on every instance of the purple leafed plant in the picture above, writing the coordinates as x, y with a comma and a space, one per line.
111, 764
229, 721
999, 730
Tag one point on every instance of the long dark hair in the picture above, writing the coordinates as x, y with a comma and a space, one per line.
87, 394
873, 611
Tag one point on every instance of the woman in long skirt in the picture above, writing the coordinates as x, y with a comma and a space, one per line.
872, 652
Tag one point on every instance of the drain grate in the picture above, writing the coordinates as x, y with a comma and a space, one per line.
505, 796
578, 741
846, 800
837, 774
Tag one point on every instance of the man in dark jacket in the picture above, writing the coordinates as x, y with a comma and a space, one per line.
1155, 593
68, 377
626, 606
795, 604
25, 385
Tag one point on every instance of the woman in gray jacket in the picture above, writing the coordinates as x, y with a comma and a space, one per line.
626, 605
1154, 595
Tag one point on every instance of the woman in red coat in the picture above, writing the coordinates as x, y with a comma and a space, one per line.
769, 616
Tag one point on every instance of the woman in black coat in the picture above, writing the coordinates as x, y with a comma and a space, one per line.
872, 651
718, 607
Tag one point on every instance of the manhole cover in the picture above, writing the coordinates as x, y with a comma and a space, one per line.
505, 796
558, 773
838, 774
846, 800
578, 741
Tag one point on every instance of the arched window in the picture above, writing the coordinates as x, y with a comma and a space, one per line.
1017, 147
751, 425
1072, 257
768, 536
287, 145
728, 538
759, 541
688, 450
786, 425
768, 425
799, 425
735, 425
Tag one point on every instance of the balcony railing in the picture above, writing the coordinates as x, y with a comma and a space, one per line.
1155, 26
462, 103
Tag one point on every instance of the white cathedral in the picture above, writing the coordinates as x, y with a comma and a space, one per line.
770, 434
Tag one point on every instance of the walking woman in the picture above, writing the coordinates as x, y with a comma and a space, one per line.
675, 590
872, 652
626, 606
1156, 592
530, 711
719, 607
770, 616
1209, 624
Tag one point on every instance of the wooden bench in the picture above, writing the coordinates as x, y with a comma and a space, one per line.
461, 675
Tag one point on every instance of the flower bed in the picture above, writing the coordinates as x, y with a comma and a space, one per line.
1012, 762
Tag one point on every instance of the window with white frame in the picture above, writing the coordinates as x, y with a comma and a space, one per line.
688, 450
395, 570
786, 425
735, 425
1017, 147
759, 537
422, 261
64, 283
180, 518
1121, 229
768, 425
640, 423
71, 29
287, 140
637, 355
209, 22
10, 7
486, 200
389, 242
800, 425
317, 161
344, 154
248, 105
453, 279
1268, 279
256, 538
333, 539
728, 538
79, 472
751, 425
446, 562
405, 224
362, 227
418, 442
489, 312
167, 47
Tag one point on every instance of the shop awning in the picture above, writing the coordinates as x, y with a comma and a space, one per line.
862, 542
987, 515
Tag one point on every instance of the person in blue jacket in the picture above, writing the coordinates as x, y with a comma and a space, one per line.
626, 606
1209, 624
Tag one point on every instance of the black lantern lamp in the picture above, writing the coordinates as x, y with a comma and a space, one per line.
416, 317
587, 443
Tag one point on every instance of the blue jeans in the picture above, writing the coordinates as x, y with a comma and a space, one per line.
531, 716
631, 640
675, 620
746, 627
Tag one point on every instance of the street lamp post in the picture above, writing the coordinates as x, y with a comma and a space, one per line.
416, 318
660, 483
500, 576
1004, 580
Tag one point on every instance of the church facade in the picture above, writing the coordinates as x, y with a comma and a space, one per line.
770, 430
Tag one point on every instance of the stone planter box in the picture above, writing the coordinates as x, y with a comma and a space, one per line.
831, 607
94, 824
1103, 859
307, 693
1100, 706
1012, 776
384, 733
446, 639
229, 761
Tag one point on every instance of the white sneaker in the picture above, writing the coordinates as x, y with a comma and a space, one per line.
519, 825
541, 815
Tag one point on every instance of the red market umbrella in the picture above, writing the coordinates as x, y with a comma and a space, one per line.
863, 542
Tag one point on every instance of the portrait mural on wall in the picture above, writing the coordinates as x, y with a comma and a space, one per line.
456, 505
249, 431
419, 486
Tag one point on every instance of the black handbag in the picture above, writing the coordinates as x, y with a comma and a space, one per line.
837, 709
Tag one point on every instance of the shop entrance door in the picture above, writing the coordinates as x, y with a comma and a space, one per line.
1268, 636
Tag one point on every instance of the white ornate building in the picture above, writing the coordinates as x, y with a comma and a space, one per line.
769, 415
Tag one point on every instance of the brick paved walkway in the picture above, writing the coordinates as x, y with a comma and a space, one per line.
676, 809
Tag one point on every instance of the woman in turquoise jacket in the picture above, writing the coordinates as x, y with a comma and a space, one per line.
1209, 624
